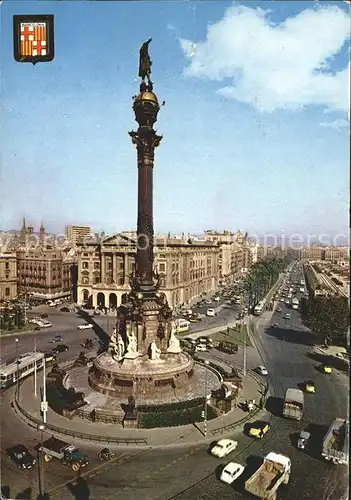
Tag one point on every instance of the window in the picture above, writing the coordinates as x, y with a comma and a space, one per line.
96, 280
96, 265
7, 275
7, 265
85, 254
109, 266
85, 265
162, 268
121, 265
7, 291
120, 281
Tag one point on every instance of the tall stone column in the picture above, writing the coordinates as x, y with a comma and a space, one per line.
146, 140
103, 268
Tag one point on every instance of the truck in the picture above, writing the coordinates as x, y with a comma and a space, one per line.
293, 404
67, 453
274, 471
336, 442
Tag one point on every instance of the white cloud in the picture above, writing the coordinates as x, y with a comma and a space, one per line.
275, 66
336, 124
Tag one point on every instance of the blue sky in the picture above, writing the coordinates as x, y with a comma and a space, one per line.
255, 124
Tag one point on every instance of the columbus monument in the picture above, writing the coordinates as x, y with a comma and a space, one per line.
144, 358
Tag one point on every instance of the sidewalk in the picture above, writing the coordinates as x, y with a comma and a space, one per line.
155, 437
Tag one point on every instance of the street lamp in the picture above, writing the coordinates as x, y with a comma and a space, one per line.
241, 331
17, 374
41, 428
206, 399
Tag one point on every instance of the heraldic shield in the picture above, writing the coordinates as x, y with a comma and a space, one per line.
33, 37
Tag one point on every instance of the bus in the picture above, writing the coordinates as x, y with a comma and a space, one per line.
259, 309
8, 373
180, 325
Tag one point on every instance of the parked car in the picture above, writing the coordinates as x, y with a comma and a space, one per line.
262, 370
60, 348
21, 456
210, 312
204, 340
45, 324
64, 309
228, 347
190, 340
326, 369
201, 348
224, 447
231, 472
57, 338
44, 315
86, 326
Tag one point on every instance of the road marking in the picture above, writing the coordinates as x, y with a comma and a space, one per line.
88, 473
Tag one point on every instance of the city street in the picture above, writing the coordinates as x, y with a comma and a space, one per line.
189, 472
66, 323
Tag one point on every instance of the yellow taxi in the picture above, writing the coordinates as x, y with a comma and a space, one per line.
259, 429
326, 369
310, 386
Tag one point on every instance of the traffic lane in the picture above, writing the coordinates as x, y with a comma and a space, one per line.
253, 358
72, 336
224, 316
310, 478
290, 364
156, 475
15, 431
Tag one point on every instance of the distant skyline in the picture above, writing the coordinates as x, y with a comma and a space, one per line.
255, 126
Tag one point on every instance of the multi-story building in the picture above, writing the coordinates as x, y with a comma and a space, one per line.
234, 253
335, 254
77, 234
188, 269
45, 273
312, 253
8, 276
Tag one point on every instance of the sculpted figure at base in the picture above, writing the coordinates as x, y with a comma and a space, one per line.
113, 338
174, 344
155, 352
132, 343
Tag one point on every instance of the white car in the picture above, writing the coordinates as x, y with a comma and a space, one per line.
262, 370
85, 327
210, 312
231, 472
201, 348
45, 324
224, 447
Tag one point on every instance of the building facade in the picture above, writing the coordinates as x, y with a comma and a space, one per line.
77, 234
187, 269
45, 273
8, 276
236, 253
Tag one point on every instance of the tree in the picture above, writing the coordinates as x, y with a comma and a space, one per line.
328, 317
262, 276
